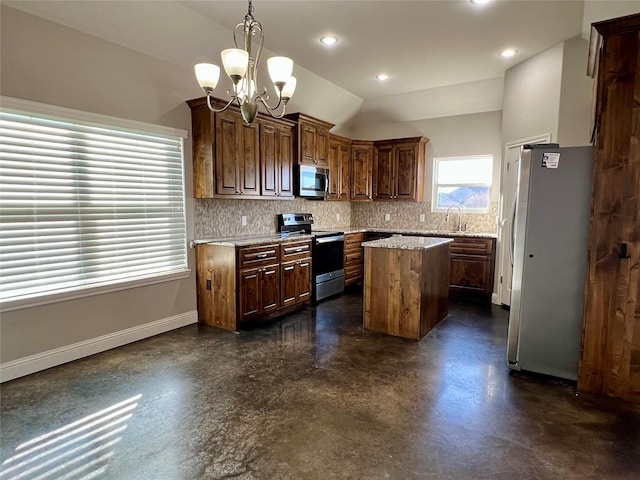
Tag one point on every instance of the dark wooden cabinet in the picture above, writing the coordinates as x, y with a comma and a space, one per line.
276, 148
237, 163
295, 272
399, 168
339, 168
472, 267
610, 362
237, 284
312, 140
259, 291
361, 170
231, 159
353, 258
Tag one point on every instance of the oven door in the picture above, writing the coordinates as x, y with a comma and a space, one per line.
328, 264
312, 182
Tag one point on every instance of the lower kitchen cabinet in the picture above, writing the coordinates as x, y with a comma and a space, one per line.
237, 284
472, 267
353, 258
259, 291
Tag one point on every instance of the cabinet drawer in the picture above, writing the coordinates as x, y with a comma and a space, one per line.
353, 239
472, 246
257, 256
295, 250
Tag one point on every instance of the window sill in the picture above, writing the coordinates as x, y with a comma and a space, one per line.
64, 295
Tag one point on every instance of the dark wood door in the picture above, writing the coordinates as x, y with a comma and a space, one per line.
308, 144
303, 279
345, 172
249, 166
361, 170
269, 288
269, 168
284, 144
228, 147
288, 283
249, 296
334, 171
405, 177
322, 147
610, 361
383, 173
470, 273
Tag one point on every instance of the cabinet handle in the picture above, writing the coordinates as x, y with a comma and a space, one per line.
269, 272
286, 269
263, 255
251, 276
304, 264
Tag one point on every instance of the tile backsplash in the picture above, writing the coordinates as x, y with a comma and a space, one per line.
223, 218
407, 215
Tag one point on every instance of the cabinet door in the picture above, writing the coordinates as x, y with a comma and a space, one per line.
288, 283
303, 279
406, 172
284, 144
228, 146
345, 173
270, 288
334, 171
361, 167
269, 170
249, 293
322, 147
471, 273
383, 173
249, 167
308, 144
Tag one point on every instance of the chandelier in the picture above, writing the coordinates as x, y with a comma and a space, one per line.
241, 65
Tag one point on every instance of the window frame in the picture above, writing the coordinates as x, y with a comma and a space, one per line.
434, 187
51, 112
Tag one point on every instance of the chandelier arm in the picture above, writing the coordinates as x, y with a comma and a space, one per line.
269, 109
223, 108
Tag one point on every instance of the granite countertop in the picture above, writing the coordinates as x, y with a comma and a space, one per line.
408, 243
412, 231
250, 240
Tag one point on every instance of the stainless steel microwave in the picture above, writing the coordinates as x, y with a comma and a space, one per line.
311, 182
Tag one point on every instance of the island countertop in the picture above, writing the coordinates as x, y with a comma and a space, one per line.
408, 243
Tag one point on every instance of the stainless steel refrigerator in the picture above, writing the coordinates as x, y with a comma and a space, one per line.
549, 244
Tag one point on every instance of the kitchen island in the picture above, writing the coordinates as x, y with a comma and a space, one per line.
406, 285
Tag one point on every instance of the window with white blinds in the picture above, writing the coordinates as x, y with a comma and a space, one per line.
85, 205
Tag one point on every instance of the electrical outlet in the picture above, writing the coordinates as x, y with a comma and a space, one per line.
422, 217
243, 220
387, 217
337, 217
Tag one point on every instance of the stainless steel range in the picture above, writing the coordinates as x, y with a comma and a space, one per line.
328, 253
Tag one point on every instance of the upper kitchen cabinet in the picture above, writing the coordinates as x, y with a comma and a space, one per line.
339, 168
226, 153
312, 140
276, 152
362, 153
231, 159
398, 169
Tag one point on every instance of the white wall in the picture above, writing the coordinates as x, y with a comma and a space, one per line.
44, 62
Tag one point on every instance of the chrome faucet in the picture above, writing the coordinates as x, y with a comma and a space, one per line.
459, 216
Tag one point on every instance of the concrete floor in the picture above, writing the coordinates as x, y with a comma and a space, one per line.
313, 397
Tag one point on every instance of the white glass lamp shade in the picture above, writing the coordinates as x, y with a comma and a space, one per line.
207, 75
245, 92
280, 69
235, 62
289, 88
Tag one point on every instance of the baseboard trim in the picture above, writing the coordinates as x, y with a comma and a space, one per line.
494, 299
58, 356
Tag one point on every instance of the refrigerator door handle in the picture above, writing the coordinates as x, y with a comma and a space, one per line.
512, 227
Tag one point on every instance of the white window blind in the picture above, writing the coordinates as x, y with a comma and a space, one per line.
83, 205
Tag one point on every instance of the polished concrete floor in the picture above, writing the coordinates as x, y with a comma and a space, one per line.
313, 396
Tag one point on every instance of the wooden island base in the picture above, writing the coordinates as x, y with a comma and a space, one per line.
406, 285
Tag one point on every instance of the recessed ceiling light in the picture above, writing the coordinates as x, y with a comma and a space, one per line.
508, 52
329, 40
479, 2
382, 77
